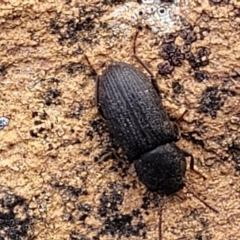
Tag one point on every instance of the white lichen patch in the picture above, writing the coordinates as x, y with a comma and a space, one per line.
3, 122
160, 17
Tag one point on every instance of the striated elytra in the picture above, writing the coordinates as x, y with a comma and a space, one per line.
139, 124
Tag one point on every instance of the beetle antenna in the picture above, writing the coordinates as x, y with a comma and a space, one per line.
161, 202
201, 200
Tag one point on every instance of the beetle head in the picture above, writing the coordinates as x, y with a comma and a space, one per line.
162, 169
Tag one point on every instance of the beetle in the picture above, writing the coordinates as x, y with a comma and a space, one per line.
137, 121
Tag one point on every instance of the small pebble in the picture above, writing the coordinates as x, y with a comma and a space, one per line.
3, 122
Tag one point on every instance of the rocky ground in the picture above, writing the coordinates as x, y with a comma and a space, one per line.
52, 184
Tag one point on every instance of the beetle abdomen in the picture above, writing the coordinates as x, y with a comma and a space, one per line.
133, 110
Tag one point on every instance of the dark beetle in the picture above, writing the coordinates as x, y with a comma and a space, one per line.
138, 122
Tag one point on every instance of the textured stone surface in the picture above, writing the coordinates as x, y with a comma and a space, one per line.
53, 187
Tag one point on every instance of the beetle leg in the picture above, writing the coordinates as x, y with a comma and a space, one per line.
96, 94
144, 66
187, 154
201, 200
181, 117
111, 154
178, 131
105, 156
134, 43
97, 99
117, 157
93, 70
153, 79
161, 202
97, 87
